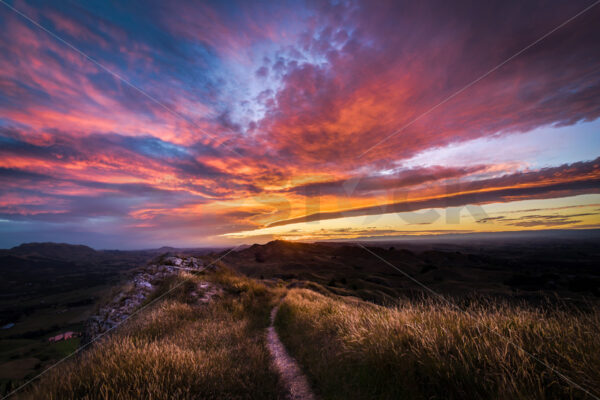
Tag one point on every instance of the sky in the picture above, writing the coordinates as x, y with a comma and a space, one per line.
141, 124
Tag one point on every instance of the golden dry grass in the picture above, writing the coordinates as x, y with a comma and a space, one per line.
427, 350
350, 349
178, 350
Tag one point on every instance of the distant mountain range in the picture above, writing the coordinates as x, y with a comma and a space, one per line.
77, 251
52, 250
575, 234
82, 253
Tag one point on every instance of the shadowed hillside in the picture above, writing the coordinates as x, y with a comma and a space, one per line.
534, 271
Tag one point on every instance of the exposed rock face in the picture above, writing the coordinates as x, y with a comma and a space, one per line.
140, 288
192, 263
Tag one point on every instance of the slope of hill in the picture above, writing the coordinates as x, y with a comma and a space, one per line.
358, 328
430, 350
48, 289
181, 347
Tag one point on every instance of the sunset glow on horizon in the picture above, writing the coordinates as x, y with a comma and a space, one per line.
218, 123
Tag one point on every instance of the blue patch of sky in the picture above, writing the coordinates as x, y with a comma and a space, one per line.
154, 147
542, 147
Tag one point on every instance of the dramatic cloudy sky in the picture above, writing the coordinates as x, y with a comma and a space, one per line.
139, 124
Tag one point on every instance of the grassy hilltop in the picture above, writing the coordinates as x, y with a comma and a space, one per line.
365, 337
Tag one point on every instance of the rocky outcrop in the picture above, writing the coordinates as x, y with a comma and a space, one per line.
138, 290
192, 263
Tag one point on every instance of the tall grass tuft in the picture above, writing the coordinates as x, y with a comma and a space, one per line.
426, 350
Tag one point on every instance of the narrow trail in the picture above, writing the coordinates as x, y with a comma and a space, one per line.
293, 378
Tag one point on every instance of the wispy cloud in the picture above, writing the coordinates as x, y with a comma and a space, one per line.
272, 105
